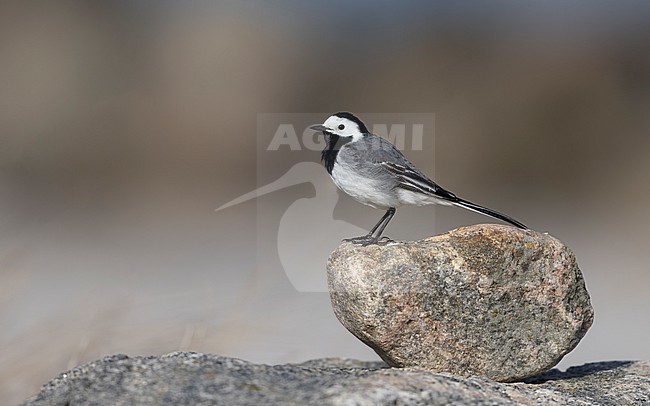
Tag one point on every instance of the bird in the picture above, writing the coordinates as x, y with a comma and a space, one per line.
374, 172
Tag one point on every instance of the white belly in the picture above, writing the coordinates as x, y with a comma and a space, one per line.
362, 189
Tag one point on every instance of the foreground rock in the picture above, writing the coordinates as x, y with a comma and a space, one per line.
189, 379
485, 300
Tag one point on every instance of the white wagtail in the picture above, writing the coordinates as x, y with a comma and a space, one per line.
371, 170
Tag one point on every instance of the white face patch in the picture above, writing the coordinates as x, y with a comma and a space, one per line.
343, 127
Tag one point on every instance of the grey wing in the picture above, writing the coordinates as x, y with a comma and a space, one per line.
407, 175
389, 164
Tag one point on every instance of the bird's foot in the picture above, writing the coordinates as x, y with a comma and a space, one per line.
384, 241
363, 240
366, 240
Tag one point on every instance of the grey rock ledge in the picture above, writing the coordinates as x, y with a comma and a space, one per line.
191, 378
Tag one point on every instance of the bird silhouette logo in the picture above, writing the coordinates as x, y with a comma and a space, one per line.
301, 257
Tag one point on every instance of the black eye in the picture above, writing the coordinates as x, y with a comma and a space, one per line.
341, 126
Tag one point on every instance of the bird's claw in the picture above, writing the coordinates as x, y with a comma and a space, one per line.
366, 240
383, 241
359, 240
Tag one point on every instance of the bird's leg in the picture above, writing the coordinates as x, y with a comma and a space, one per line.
369, 236
381, 220
379, 227
373, 236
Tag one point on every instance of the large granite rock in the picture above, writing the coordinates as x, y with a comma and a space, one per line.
487, 300
192, 379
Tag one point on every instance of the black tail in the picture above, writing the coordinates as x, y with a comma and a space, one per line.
488, 212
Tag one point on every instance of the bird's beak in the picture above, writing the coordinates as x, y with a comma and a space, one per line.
319, 127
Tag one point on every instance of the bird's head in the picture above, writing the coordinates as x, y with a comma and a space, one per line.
343, 124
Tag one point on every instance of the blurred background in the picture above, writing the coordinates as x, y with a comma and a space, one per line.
125, 123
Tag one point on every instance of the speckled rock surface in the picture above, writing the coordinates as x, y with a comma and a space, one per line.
192, 379
487, 300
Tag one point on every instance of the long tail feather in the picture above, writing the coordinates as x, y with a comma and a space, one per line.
488, 212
